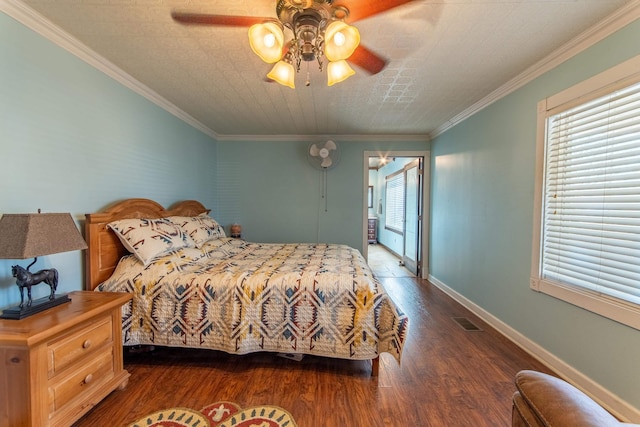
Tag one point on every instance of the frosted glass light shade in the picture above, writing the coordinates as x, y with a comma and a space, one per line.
341, 40
283, 73
338, 71
266, 41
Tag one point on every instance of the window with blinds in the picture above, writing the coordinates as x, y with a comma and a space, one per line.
588, 206
394, 202
592, 196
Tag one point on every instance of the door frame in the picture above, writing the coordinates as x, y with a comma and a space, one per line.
424, 246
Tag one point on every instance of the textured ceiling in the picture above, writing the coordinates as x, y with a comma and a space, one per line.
443, 56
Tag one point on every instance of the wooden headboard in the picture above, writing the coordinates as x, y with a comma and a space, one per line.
105, 249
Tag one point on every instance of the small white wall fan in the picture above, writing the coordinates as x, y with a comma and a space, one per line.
323, 157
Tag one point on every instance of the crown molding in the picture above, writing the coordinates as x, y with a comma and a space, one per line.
314, 138
36, 22
614, 22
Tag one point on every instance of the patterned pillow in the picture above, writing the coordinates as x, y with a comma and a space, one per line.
201, 228
149, 238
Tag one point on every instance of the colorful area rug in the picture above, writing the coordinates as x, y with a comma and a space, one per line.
219, 414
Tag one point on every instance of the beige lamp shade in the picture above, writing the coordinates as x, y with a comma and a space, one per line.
25, 236
283, 73
341, 40
338, 71
266, 41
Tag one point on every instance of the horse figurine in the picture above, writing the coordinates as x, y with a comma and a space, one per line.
26, 279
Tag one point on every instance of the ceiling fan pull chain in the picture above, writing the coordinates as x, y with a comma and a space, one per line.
325, 191
324, 182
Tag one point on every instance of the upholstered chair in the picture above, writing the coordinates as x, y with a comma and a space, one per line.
544, 400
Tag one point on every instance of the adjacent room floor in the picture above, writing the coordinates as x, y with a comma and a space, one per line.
385, 263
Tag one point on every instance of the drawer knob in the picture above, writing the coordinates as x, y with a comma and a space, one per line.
86, 344
88, 379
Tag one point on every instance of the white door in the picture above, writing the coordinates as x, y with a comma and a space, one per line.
412, 217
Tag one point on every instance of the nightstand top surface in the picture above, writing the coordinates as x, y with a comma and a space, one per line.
41, 326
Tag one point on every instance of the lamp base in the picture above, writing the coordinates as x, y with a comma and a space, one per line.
37, 306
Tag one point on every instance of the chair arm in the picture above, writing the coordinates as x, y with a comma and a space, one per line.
544, 400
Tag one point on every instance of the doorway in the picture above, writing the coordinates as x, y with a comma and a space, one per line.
396, 206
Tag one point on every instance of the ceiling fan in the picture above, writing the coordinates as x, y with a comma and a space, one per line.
318, 29
324, 157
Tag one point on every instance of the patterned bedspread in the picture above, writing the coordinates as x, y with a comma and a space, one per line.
242, 297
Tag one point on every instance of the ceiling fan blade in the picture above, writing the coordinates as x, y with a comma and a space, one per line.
326, 162
220, 20
361, 9
367, 60
330, 145
314, 150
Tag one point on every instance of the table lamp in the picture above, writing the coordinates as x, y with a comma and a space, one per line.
25, 236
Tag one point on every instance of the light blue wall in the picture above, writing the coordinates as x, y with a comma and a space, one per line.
481, 232
275, 194
74, 140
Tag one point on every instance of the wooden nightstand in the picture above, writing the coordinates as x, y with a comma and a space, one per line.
60, 363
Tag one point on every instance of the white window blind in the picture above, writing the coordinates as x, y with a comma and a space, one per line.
394, 194
591, 212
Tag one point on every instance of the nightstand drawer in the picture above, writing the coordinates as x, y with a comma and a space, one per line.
74, 346
91, 373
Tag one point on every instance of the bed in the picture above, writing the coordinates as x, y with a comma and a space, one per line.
215, 292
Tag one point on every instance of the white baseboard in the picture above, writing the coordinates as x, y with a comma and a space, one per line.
612, 403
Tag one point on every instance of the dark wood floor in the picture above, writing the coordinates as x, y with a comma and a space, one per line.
449, 376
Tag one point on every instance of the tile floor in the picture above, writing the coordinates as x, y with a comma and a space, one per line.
384, 263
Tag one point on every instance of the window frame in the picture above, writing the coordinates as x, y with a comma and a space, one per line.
619, 310
387, 225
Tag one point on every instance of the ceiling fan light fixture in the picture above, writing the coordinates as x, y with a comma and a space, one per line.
283, 72
267, 40
341, 40
316, 31
338, 71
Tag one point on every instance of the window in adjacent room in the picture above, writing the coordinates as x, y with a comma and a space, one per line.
587, 230
394, 202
